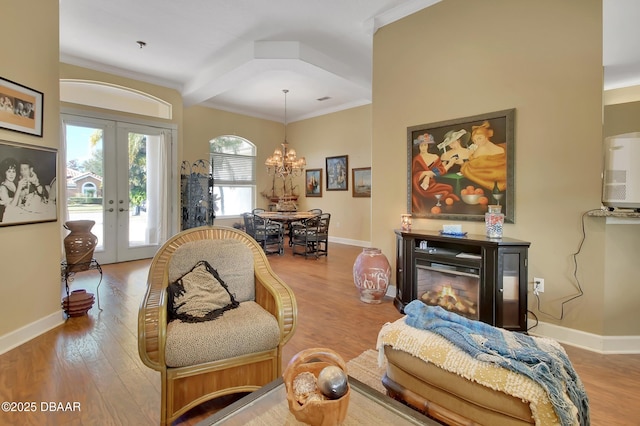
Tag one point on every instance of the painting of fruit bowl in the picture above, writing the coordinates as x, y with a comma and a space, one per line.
471, 198
472, 195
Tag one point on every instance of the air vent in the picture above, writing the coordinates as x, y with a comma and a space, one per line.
324, 98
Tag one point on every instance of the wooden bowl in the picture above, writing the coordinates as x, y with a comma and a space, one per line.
316, 413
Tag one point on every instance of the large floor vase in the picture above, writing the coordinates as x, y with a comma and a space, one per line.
371, 272
79, 244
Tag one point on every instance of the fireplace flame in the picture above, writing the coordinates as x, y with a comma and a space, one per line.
449, 299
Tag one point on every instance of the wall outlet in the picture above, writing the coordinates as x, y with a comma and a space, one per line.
538, 285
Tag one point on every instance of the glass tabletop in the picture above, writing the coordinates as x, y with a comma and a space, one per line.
268, 406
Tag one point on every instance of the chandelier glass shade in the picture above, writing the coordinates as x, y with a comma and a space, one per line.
284, 162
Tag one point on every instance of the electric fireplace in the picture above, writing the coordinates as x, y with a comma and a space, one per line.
456, 288
473, 276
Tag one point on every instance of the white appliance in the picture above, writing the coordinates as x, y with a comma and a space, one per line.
621, 177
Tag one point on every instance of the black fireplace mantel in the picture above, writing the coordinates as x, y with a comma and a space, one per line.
501, 263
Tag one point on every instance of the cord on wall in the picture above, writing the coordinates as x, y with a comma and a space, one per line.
575, 276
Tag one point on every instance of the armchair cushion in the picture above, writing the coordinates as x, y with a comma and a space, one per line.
199, 295
231, 258
251, 329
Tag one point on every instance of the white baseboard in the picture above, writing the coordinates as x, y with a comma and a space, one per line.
589, 341
30, 331
349, 242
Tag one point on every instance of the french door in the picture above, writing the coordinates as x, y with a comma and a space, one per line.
118, 175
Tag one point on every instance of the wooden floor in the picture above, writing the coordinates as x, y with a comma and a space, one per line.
93, 360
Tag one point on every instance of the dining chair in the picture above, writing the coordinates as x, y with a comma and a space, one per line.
311, 236
297, 222
269, 234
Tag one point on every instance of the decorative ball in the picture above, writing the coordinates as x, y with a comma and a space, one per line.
304, 385
332, 382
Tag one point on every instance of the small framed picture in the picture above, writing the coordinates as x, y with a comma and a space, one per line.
338, 173
27, 184
361, 182
20, 108
313, 183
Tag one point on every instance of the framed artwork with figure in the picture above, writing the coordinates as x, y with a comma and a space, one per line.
20, 108
27, 184
456, 168
337, 173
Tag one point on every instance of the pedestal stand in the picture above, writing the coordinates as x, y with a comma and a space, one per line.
68, 273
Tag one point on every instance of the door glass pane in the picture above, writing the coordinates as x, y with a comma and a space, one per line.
138, 217
85, 174
511, 292
147, 189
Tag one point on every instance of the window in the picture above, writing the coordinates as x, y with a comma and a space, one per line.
89, 189
234, 175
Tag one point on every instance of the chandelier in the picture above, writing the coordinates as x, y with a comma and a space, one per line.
284, 162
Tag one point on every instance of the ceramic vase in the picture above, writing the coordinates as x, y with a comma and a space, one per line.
371, 272
79, 244
77, 303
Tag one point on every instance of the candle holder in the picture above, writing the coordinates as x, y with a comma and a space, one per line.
405, 222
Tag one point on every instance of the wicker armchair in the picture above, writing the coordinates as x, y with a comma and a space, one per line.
185, 386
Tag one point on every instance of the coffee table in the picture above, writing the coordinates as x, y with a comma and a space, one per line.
268, 406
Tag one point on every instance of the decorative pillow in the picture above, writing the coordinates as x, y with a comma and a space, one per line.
199, 295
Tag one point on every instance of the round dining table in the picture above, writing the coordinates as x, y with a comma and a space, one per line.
286, 218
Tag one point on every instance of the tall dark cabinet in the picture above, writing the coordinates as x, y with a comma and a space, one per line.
475, 276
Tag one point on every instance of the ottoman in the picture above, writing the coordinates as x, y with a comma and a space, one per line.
432, 375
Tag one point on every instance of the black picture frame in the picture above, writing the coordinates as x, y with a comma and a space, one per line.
488, 170
361, 182
313, 182
337, 173
37, 200
21, 108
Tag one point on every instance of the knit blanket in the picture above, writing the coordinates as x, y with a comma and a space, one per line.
542, 360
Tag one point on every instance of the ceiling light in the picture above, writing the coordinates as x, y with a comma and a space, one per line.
284, 162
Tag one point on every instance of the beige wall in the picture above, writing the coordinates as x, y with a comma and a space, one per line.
460, 58
166, 94
341, 133
30, 283
622, 295
621, 118
202, 124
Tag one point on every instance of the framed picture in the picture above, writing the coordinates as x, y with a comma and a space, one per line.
338, 173
313, 183
361, 182
27, 184
456, 168
20, 108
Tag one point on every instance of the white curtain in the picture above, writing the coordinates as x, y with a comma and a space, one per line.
61, 187
158, 182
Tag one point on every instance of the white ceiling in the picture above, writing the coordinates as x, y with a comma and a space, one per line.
238, 55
